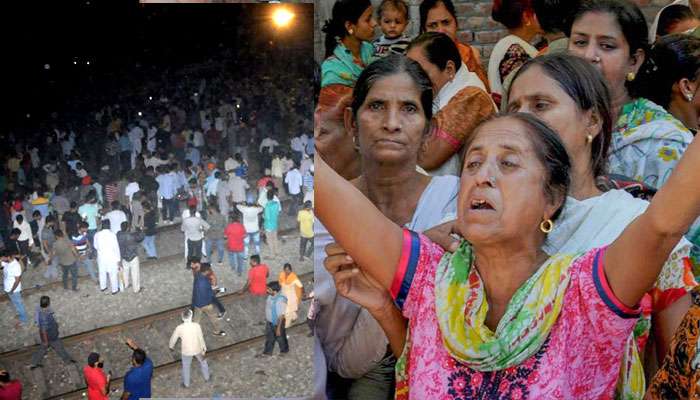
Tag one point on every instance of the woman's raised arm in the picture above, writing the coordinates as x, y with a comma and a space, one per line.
634, 260
370, 238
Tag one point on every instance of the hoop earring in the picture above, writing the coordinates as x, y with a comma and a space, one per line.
631, 76
546, 226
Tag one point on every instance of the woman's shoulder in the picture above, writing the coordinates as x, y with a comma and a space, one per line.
643, 119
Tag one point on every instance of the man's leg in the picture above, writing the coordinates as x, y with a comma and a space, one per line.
302, 247
310, 249
220, 249
209, 248
186, 363
89, 265
269, 338
126, 271
246, 243
39, 354
73, 268
64, 269
241, 263
114, 278
102, 271
213, 318
256, 241
136, 274
58, 348
282, 340
204, 365
16, 299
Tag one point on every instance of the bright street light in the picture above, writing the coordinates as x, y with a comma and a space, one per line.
282, 17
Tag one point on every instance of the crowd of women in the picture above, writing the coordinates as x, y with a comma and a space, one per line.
543, 251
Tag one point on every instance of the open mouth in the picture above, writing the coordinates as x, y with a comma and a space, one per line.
478, 204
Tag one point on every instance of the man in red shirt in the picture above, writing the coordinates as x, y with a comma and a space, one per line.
95, 379
235, 233
257, 277
9, 389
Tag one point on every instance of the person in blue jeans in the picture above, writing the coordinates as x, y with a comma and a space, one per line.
235, 234
12, 274
150, 220
215, 234
137, 381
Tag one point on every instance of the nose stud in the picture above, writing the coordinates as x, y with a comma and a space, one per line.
596, 59
492, 181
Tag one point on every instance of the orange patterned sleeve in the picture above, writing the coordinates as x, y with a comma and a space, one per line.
461, 115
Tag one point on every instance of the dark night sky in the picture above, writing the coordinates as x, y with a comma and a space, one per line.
116, 37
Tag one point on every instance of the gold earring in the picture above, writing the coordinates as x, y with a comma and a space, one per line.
589, 138
631, 76
546, 226
352, 32
689, 97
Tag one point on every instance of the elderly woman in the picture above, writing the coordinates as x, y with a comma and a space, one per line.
352, 341
461, 101
440, 16
512, 51
500, 307
647, 141
349, 50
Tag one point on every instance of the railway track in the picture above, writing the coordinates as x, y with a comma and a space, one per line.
235, 348
145, 263
151, 332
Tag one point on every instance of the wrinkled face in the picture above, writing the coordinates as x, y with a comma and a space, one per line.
390, 123
597, 36
502, 186
437, 77
364, 28
332, 141
534, 92
440, 20
392, 22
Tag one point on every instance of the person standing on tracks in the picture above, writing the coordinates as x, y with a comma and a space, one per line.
83, 246
306, 231
251, 223
12, 273
191, 345
96, 380
63, 253
108, 257
150, 220
203, 296
235, 233
128, 247
194, 227
137, 381
275, 306
271, 215
48, 332
257, 277
215, 235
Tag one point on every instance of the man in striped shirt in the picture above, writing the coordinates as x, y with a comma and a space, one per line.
82, 245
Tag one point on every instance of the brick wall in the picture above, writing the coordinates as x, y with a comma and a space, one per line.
474, 16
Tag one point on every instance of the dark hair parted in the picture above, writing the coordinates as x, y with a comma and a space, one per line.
632, 24
548, 149
438, 48
392, 65
554, 16
586, 87
428, 5
676, 57
510, 12
343, 11
274, 286
670, 16
399, 5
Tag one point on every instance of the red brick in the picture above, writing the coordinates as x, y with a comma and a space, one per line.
465, 36
464, 9
486, 37
475, 23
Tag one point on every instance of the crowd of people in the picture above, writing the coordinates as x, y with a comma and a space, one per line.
87, 188
528, 230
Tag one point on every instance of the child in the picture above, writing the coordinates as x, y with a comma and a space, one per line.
393, 19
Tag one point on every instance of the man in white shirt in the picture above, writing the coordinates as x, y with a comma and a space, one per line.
12, 273
191, 345
116, 217
251, 224
108, 257
193, 227
198, 139
294, 181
